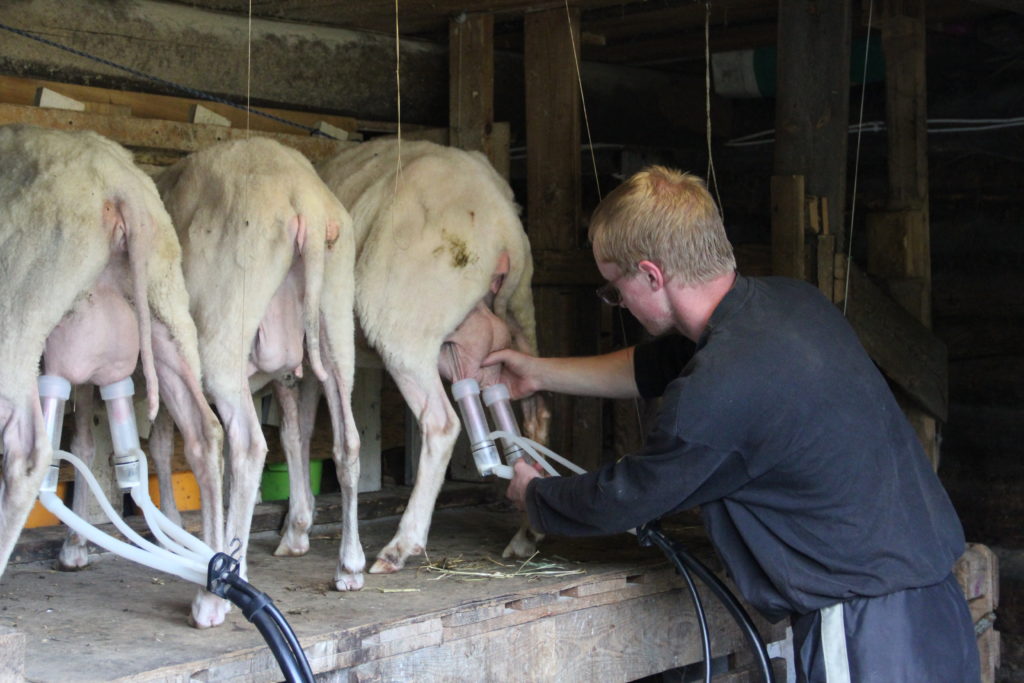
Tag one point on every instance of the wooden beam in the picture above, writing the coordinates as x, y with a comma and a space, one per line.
561, 268
14, 90
567, 317
788, 213
905, 350
552, 130
899, 241
471, 82
812, 104
167, 140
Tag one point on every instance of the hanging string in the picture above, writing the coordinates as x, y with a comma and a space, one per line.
583, 99
247, 256
617, 313
398, 102
712, 178
856, 164
461, 21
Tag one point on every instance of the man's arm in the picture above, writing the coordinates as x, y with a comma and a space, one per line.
607, 376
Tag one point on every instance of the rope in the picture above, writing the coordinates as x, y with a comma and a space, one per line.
856, 164
712, 177
198, 94
617, 312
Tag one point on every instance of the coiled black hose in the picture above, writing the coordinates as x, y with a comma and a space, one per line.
222, 579
685, 563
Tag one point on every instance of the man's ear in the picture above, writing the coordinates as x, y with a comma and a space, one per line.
653, 274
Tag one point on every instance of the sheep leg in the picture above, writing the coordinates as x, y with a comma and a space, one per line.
26, 460
439, 427
295, 530
348, 576
161, 450
74, 554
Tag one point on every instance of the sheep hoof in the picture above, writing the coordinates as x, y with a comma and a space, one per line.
349, 582
385, 566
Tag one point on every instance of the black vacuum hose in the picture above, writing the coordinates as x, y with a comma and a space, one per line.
223, 580
686, 563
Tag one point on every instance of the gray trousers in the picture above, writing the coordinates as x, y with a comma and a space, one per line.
912, 636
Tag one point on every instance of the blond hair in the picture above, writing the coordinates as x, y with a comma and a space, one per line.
666, 217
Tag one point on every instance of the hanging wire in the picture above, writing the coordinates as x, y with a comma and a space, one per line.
856, 164
583, 99
712, 178
617, 313
461, 21
398, 104
247, 256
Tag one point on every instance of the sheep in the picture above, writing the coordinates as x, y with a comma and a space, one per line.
441, 259
268, 260
90, 281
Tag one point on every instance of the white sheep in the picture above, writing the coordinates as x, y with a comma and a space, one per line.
268, 262
90, 279
441, 259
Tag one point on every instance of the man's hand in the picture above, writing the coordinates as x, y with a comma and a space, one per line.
523, 473
519, 371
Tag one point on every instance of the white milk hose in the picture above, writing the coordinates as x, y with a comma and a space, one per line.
182, 554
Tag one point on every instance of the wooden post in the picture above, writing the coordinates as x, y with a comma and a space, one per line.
552, 129
470, 126
566, 315
812, 106
788, 226
471, 82
898, 240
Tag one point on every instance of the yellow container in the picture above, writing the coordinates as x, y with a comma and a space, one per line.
40, 516
186, 491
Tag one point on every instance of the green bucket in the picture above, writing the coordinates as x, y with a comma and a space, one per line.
274, 482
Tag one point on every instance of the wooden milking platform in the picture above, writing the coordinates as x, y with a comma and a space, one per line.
614, 611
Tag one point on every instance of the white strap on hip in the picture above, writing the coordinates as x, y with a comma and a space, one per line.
833, 644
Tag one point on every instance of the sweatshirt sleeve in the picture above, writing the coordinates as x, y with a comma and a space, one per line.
667, 475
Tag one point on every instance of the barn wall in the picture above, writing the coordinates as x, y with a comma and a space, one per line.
315, 67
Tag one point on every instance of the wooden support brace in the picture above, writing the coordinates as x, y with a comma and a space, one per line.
906, 351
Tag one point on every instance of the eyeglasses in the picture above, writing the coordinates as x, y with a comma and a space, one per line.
609, 294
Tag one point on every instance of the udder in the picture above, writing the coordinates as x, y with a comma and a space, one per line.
480, 333
278, 346
97, 342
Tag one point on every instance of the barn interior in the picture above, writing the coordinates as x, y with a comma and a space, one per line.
873, 149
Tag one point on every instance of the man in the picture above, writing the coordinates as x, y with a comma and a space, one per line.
812, 485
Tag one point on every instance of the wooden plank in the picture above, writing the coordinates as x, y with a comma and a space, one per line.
788, 226
989, 651
170, 137
406, 622
471, 82
906, 351
977, 572
15, 90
